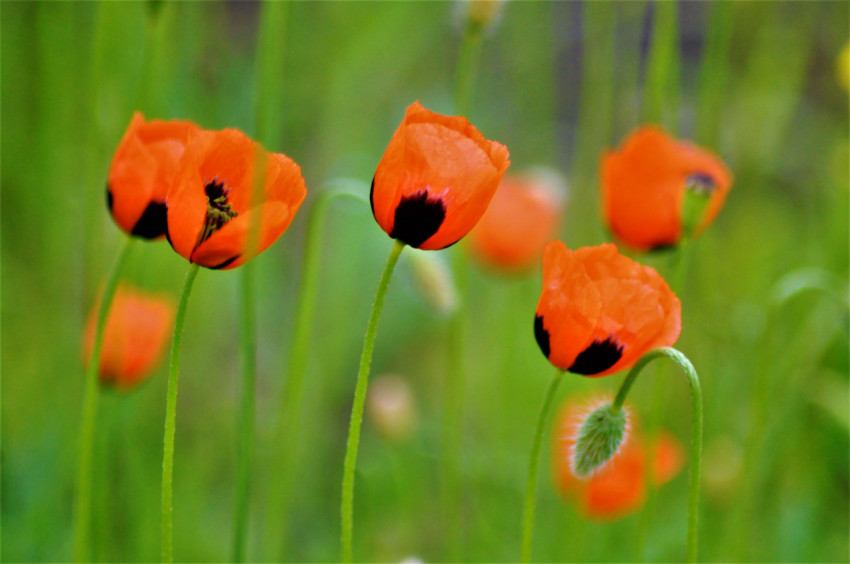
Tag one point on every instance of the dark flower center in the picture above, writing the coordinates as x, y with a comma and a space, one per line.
417, 218
219, 210
700, 183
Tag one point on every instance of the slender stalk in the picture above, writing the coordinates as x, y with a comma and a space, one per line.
171, 416
82, 511
467, 68
531, 480
696, 431
661, 87
286, 438
247, 409
347, 502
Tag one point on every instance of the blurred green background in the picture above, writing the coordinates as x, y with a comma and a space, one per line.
557, 82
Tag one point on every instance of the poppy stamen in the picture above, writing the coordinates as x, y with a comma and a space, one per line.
700, 183
219, 211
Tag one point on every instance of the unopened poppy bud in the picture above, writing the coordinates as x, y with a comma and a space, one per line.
390, 407
482, 14
434, 280
599, 439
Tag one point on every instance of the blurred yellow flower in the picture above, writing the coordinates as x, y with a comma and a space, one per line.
844, 67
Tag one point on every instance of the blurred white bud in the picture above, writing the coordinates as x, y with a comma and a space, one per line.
390, 407
434, 280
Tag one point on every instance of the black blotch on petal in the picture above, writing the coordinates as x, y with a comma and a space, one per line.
662, 247
417, 218
225, 264
153, 222
108, 198
541, 335
372, 196
598, 357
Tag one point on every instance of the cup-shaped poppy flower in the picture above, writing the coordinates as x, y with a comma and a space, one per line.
645, 182
210, 208
522, 217
137, 329
619, 487
142, 171
435, 180
599, 311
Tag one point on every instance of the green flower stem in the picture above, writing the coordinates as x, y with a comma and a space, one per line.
531, 480
171, 417
467, 68
247, 409
661, 89
696, 431
82, 511
286, 437
347, 502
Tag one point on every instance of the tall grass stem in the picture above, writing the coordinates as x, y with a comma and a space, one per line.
82, 510
353, 442
167, 552
533, 461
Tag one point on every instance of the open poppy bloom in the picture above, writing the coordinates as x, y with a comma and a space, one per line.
644, 184
599, 311
435, 180
522, 217
142, 171
619, 487
137, 328
209, 205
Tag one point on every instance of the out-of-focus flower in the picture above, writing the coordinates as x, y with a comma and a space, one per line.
390, 407
435, 180
843, 67
656, 189
618, 487
142, 171
599, 311
137, 329
523, 216
434, 280
481, 14
209, 205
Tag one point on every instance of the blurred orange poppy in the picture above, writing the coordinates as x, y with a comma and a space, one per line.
137, 328
619, 487
523, 216
599, 311
142, 171
209, 205
435, 179
644, 184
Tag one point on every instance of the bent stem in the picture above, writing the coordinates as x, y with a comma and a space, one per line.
347, 502
82, 512
696, 431
171, 416
531, 480
290, 400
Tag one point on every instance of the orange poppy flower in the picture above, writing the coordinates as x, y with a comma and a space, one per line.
523, 216
142, 171
619, 487
599, 311
137, 329
644, 185
209, 204
435, 179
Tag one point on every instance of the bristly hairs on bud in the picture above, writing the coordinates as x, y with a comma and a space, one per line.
601, 434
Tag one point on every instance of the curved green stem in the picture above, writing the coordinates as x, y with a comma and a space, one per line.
171, 416
82, 511
696, 431
531, 480
347, 502
290, 400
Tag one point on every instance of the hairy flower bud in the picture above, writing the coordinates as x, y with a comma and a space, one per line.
599, 438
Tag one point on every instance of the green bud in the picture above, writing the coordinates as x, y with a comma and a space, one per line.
698, 191
599, 438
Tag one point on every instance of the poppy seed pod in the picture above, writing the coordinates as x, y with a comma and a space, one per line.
137, 328
210, 206
644, 186
435, 180
142, 171
599, 311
